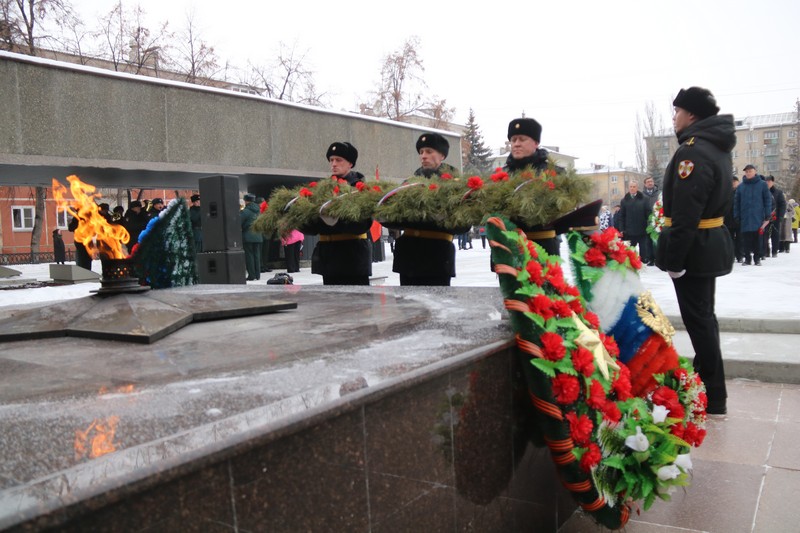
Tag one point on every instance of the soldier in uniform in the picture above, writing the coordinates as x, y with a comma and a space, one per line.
196, 218
695, 247
426, 255
343, 255
524, 136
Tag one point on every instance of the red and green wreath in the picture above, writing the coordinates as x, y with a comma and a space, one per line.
613, 449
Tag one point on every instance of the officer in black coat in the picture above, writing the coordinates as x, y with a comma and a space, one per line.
524, 135
694, 246
135, 221
343, 255
196, 219
426, 255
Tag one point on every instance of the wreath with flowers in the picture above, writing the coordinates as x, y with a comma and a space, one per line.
317, 204
613, 449
530, 198
655, 220
444, 202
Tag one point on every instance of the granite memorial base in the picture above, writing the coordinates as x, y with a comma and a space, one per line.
68, 274
364, 409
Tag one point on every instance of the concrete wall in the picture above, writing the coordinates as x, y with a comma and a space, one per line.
122, 128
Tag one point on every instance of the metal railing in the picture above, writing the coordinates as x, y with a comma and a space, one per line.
33, 258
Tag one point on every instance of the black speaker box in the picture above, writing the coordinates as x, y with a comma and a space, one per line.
221, 268
219, 206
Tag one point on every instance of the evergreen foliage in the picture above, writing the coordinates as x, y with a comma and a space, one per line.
165, 255
478, 154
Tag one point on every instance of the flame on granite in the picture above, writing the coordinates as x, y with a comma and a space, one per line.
101, 238
97, 439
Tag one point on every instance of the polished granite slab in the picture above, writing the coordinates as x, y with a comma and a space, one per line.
213, 385
144, 316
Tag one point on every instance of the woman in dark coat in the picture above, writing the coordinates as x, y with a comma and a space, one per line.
59, 250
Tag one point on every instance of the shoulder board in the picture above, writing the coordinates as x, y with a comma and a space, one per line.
690, 142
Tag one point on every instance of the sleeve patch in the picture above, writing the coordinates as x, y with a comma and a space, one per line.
685, 168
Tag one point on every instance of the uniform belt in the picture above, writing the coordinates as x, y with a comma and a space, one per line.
705, 223
342, 237
426, 234
539, 235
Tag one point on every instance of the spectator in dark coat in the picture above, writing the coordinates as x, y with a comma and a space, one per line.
135, 221
82, 257
752, 208
632, 217
196, 218
779, 212
651, 194
733, 226
59, 249
251, 241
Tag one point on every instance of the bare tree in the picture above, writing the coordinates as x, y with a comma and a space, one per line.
8, 26
28, 16
647, 127
399, 93
287, 78
145, 46
76, 38
129, 44
195, 58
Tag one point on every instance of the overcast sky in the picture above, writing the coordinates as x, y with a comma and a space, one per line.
582, 68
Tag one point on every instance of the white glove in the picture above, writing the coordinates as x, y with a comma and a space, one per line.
676, 275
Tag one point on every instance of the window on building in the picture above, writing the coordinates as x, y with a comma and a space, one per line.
22, 218
770, 135
751, 137
792, 134
770, 150
772, 166
613, 179
62, 218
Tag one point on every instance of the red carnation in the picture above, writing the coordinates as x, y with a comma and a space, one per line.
610, 344
678, 430
565, 388
550, 185
665, 396
499, 175
576, 306
532, 251
591, 457
561, 309
693, 434
360, 185
572, 290
376, 188
636, 261
305, 192
583, 361
597, 396
682, 376
433, 186
336, 190
474, 182
620, 254
541, 305
550, 172
595, 258
580, 428
702, 399
534, 269
312, 184
446, 176
602, 240
592, 319
611, 412
552, 346
622, 385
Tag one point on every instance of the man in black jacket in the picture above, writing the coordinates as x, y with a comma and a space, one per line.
695, 247
774, 228
651, 193
632, 218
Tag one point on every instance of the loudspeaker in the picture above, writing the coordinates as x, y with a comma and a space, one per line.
219, 206
221, 268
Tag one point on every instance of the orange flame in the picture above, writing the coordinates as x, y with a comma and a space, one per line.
101, 440
100, 237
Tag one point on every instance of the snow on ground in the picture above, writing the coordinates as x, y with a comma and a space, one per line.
769, 291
